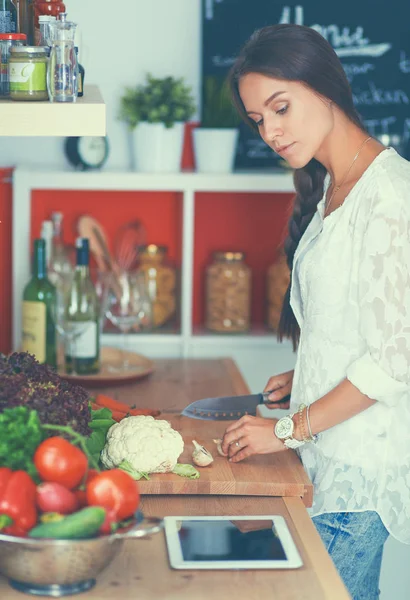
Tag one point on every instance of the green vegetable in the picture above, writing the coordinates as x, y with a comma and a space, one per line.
126, 466
101, 421
20, 434
83, 524
186, 471
182, 470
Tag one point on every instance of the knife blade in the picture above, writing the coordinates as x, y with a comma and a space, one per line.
226, 408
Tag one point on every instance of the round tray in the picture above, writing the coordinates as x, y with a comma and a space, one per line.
111, 358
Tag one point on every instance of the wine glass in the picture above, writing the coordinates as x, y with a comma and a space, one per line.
129, 308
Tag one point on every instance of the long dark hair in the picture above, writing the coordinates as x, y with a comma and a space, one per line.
295, 53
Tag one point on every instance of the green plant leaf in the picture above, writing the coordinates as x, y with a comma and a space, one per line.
159, 100
218, 110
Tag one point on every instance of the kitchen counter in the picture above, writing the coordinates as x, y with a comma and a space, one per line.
142, 570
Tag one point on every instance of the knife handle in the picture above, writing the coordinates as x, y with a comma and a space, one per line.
264, 398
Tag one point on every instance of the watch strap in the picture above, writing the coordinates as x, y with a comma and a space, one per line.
293, 443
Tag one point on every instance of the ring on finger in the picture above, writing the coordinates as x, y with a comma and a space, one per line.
237, 443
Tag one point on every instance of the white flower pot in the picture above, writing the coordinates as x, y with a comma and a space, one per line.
215, 149
158, 149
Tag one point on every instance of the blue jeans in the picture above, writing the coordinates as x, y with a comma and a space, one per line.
354, 541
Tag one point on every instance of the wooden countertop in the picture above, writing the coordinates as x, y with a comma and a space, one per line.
142, 569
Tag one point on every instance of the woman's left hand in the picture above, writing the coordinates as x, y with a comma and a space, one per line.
251, 435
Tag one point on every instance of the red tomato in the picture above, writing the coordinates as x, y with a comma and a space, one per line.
109, 524
59, 461
114, 490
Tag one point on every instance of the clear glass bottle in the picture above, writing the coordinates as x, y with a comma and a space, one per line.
39, 311
82, 316
228, 293
62, 72
60, 265
160, 278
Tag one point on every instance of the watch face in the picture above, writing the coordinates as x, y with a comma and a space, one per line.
284, 428
92, 150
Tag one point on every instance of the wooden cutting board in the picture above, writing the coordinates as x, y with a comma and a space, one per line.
266, 475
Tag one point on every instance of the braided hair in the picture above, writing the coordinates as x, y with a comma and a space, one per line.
295, 53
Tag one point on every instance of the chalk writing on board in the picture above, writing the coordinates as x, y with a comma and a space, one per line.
375, 96
344, 41
404, 63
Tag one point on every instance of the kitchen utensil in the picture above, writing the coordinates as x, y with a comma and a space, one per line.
129, 237
226, 408
90, 228
61, 567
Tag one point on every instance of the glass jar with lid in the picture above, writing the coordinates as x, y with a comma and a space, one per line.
160, 278
228, 293
8, 41
28, 73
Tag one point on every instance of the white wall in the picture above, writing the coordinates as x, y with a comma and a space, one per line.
118, 44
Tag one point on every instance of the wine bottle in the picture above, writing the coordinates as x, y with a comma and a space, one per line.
82, 317
39, 311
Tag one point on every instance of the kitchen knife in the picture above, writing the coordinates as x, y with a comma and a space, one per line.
226, 408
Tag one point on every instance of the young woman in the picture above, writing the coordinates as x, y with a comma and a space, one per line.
347, 309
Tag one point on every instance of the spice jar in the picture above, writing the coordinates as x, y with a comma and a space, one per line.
8, 41
160, 278
228, 293
28, 73
277, 282
51, 8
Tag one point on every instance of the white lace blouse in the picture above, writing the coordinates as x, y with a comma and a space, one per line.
351, 297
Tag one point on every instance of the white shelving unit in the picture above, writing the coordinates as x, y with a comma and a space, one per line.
86, 117
251, 351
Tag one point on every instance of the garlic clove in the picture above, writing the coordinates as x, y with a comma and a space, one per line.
219, 447
200, 456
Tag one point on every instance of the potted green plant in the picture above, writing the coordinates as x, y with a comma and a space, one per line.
155, 111
216, 138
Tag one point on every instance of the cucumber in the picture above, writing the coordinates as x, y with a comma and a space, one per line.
82, 524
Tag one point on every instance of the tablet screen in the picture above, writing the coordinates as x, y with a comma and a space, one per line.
230, 542
225, 541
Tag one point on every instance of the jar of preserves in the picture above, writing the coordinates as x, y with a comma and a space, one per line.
28, 73
228, 293
160, 278
277, 282
8, 41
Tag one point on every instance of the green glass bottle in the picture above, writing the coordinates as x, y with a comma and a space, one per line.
82, 317
39, 311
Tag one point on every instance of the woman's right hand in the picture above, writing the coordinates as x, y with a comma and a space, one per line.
280, 387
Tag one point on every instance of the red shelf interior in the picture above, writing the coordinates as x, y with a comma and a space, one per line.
160, 213
253, 223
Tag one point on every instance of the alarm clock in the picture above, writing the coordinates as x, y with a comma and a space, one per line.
86, 153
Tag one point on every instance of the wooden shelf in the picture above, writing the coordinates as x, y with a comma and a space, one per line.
86, 117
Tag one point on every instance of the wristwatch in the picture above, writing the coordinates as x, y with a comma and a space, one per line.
284, 431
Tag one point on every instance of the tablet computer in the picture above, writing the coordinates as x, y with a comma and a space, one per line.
230, 542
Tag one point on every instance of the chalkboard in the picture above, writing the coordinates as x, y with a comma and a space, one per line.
371, 38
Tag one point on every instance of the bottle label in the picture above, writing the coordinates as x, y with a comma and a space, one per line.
84, 343
34, 329
28, 77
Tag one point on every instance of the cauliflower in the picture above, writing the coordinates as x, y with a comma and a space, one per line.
149, 445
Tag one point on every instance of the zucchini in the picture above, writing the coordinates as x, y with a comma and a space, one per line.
82, 524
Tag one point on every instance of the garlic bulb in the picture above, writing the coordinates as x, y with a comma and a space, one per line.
200, 456
219, 447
